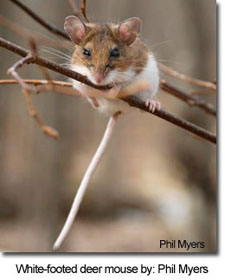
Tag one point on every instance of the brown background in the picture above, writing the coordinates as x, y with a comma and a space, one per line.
156, 181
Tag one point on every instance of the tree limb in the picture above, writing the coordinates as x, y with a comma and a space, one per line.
51, 27
83, 10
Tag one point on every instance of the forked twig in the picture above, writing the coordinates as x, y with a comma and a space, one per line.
84, 183
189, 99
27, 94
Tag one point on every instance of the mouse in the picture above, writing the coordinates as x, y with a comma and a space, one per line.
108, 53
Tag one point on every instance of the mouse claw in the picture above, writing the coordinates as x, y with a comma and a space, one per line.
152, 105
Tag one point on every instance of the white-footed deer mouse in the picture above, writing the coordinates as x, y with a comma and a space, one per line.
113, 54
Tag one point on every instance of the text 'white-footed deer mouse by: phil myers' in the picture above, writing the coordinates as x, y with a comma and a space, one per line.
109, 54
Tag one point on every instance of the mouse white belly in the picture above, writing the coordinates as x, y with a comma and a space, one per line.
107, 106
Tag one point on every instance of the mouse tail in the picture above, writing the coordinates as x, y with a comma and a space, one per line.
85, 181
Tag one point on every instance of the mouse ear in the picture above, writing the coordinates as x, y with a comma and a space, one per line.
75, 28
129, 29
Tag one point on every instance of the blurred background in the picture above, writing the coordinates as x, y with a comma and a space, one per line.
155, 181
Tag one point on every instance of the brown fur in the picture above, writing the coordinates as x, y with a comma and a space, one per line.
101, 39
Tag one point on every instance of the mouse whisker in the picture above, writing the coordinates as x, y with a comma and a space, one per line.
57, 53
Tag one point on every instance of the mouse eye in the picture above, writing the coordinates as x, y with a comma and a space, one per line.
115, 53
86, 52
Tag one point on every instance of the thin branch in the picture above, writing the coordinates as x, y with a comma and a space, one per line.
27, 94
67, 88
74, 8
139, 104
194, 129
51, 27
83, 10
191, 100
27, 34
36, 82
170, 71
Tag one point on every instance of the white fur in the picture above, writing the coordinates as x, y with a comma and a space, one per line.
150, 74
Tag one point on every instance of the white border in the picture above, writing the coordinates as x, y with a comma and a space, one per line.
216, 263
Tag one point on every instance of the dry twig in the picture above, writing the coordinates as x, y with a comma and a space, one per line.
27, 34
83, 10
170, 71
27, 94
191, 100
74, 8
54, 29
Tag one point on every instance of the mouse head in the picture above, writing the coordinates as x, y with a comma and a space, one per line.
105, 53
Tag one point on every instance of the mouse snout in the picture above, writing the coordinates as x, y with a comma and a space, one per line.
99, 77
100, 74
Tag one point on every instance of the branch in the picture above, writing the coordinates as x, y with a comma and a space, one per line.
191, 100
170, 71
73, 7
52, 28
28, 35
83, 10
194, 129
36, 82
27, 94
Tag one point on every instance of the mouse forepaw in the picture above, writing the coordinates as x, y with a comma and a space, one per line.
152, 105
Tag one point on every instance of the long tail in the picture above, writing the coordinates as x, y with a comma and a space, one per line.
84, 183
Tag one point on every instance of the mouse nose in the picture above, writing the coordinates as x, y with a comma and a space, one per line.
99, 77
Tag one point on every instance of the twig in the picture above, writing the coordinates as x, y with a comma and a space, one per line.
84, 183
83, 10
50, 65
66, 88
36, 82
27, 34
27, 94
74, 8
194, 129
34, 52
170, 71
71, 74
53, 28
191, 100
